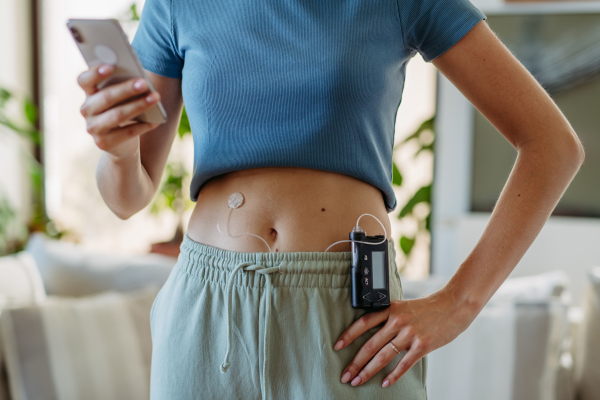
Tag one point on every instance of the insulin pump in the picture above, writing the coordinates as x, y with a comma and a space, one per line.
370, 271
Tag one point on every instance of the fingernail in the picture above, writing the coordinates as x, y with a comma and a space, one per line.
151, 98
339, 345
356, 381
386, 383
346, 377
104, 70
140, 84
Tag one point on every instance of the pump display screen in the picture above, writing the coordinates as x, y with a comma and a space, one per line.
377, 258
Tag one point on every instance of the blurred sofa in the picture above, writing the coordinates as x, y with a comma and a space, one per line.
528, 342
74, 324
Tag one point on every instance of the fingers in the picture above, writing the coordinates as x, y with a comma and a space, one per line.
109, 120
117, 136
375, 349
360, 326
93, 76
409, 359
110, 96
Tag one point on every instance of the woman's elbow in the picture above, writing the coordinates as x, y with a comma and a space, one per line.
575, 150
581, 152
562, 151
570, 153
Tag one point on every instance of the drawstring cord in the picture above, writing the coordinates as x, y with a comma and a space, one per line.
259, 269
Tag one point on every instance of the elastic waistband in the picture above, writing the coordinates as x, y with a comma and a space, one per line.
295, 269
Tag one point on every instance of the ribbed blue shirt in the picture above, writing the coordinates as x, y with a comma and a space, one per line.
295, 83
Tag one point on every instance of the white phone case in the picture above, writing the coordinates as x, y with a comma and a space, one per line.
102, 41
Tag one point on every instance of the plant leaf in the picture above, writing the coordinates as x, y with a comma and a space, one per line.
5, 95
428, 147
134, 13
184, 124
34, 135
30, 111
396, 175
406, 244
428, 124
422, 195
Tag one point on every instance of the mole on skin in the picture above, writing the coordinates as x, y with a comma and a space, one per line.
322, 209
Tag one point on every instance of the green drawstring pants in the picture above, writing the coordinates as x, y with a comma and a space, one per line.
233, 325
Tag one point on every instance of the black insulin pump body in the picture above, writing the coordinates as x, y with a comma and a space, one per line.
370, 272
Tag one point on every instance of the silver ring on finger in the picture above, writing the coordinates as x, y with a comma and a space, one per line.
394, 347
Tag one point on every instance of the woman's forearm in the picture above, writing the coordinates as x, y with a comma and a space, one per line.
540, 176
124, 184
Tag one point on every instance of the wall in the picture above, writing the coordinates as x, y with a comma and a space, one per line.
15, 75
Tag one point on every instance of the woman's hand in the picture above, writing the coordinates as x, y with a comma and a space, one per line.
107, 109
418, 325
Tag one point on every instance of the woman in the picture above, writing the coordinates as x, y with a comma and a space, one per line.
293, 105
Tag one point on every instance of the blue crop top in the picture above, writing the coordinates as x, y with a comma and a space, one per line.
295, 83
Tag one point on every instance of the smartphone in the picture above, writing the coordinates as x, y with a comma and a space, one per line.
102, 41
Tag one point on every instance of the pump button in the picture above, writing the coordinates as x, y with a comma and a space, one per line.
366, 281
365, 271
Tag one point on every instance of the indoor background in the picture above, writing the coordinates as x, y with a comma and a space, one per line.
77, 282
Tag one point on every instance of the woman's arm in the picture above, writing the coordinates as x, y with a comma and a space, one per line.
128, 184
549, 156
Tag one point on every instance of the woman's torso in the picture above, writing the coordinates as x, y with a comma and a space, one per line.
310, 84
292, 209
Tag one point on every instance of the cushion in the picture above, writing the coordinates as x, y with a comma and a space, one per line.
20, 281
69, 269
538, 288
417, 288
527, 289
587, 375
20, 285
93, 347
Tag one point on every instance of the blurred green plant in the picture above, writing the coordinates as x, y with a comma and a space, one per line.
9, 242
14, 233
133, 13
29, 110
129, 19
424, 136
171, 195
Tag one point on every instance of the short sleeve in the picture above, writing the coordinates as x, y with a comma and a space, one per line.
431, 27
154, 40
